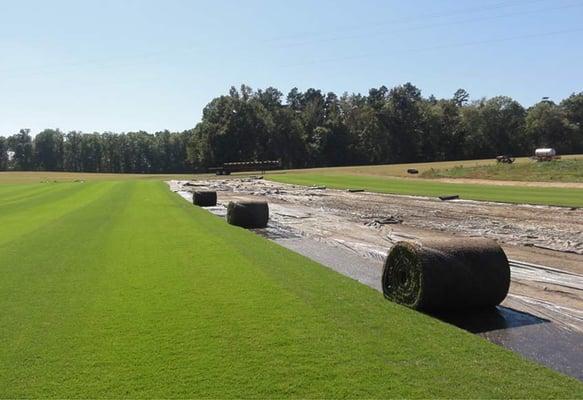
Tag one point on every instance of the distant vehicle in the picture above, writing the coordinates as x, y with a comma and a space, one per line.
246, 166
545, 154
505, 159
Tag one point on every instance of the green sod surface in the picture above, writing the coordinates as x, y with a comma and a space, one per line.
569, 197
570, 170
123, 289
18, 177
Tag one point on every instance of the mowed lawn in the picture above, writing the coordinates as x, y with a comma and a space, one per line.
18, 177
123, 289
568, 197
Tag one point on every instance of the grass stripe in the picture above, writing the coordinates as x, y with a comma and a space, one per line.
15, 193
20, 218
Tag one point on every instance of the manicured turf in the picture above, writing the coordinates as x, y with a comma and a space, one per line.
569, 197
44, 176
123, 289
553, 171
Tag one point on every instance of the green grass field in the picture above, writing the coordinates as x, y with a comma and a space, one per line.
568, 197
554, 171
43, 177
123, 289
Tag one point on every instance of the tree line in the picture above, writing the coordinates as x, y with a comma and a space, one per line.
386, 126
312, 128
133, 152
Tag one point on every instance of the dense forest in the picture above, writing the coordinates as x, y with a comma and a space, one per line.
314, 129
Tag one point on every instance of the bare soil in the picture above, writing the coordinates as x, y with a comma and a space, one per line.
493, 182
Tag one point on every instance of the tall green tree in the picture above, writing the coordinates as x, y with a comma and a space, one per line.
72, 158
3, 154
48, 148
573, 108
21, 145
91, 151
402, 116
547, 125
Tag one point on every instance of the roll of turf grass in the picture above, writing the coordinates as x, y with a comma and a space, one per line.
204, 198
248, 214
446, 274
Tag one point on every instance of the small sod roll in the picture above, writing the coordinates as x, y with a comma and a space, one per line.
248, 214
446, 274
204, 198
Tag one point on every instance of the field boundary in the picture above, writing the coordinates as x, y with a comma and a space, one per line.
514, 194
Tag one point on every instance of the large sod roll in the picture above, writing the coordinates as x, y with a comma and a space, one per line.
204, 198
446, 274
248, 214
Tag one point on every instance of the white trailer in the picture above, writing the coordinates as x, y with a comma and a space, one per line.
545, 154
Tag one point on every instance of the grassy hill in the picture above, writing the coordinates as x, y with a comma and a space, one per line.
570, 170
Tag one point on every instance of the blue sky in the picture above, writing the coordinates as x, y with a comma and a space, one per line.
153, 65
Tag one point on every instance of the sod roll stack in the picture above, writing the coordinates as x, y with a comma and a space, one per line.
248, 214
204, 198
446, 274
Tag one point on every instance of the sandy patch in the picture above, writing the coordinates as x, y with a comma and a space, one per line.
567, 185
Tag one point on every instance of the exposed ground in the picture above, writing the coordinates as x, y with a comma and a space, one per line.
570, 170
369, 223
123, 289
494, 182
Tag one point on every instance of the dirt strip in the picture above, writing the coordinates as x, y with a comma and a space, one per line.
494, 182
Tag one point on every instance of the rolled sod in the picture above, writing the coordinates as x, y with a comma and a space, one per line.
446, 274
204, 198
248, 214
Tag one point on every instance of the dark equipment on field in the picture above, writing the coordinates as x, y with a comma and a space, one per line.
446, 274
355, 190
249, 166
204, 198
248, 214
412, 171
449, 197
505, 159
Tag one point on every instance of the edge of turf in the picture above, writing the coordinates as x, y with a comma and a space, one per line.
512, 194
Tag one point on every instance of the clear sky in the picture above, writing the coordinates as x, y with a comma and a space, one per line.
120, 65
